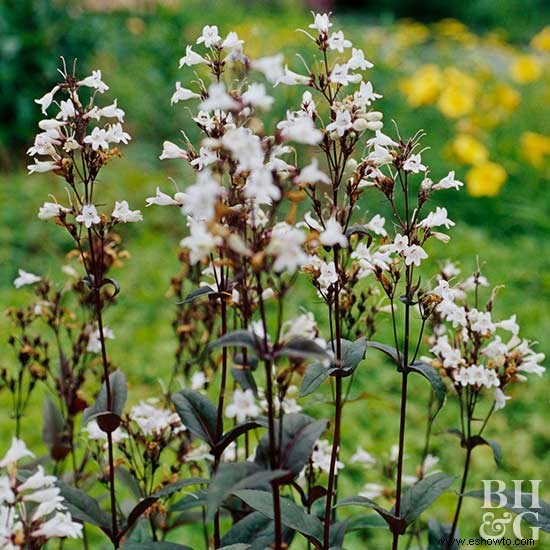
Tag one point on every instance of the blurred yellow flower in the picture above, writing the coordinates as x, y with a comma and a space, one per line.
410, 33
485, 180
456, 30
459, 95
507, 97
541, 40
423, 87
535, 147
469, 150
525, 69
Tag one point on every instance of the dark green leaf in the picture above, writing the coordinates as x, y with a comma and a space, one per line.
388, 350
172, 488
538, 517
292, 515
119, 393
315, 375
352, 355
231, 477
83, 507
397, 525
337, 534
232, 434
422, 494
237, 546
476, 440
302, 347
192, 500
369, 521
245, 379
253, 528
438, 531
433, 377
140, 508
197, 293
237, 338
197, 413
53, 430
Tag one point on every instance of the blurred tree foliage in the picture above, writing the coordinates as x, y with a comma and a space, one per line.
33, 35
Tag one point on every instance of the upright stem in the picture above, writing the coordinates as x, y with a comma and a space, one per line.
460, 497
97, 281
337, 415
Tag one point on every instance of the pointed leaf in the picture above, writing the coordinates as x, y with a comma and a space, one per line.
192, 500
233, 434
302, 347
352, 355
53, 430
237, 338
292, 515
197, 413
535, 516
433, 377
388, 350
84, 508
422, 494
476, 440
171, 488
315, 375
140, 508
397, 525
231, 477
197, 293
252, 528
119, 393
367, 521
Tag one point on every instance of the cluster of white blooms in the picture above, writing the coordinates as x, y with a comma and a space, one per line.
320, 457
155, 421
32, 511
243, 406
79, 134
469, 344
25, 278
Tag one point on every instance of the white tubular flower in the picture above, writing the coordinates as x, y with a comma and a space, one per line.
172, 151
382, 140
358, 61
260, 186
25, 278
199, 200
340, 75
257, 97
161, 199
376, 225
437, 218
88, 216
16, 452
414, 164
380, 156
365, 95
182, 94
61, 525
94, 81
333, 235
500, 399
341, 124
303, 326
218, 98
41, 166
243, 406
210, 36
338, 42
448, 182
97, 139
300, 128
154, 421
363, 457
122, 213
286, 246
191, 58
94, 341
290, 78
321, 457
200, 242
46, 100
112, 111
115, 134
37, 481
312, 174
321, 23
414, 254
271, 67
232, 41
51, 124
328, 275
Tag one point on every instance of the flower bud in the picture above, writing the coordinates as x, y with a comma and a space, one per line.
375, 126
360, 125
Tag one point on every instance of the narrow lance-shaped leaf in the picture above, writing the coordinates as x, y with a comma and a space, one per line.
422, 494
197, 293
396, 525
433, 377
302, 347
197, 413
315, 375
119, 394
477, 440
237, 338
233, 434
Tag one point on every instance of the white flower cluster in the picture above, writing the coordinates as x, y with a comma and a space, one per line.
468, 344
31, 511
69, 135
